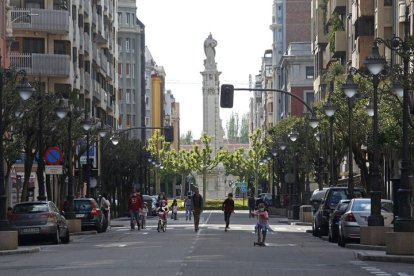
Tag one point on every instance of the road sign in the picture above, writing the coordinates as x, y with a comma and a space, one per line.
243, 189
53, 156
56, 169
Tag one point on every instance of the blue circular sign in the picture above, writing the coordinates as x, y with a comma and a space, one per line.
53, 156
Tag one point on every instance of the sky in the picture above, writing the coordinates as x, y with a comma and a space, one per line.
175, 31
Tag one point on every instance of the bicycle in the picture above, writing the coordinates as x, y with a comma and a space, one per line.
162, 221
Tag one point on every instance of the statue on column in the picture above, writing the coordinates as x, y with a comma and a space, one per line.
209, 49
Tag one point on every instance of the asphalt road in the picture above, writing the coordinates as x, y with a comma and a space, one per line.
211, 251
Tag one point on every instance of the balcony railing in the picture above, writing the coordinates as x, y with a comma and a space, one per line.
52, 21
87, 81
42, 64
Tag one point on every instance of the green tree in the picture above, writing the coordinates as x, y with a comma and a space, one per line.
233, 128
244, 129
186, 139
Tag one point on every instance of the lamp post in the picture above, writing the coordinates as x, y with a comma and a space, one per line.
350, 89
404, 222
375, 64
24, 88
87, 125
330, 110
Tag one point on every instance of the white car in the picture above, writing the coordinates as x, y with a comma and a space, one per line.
356, 215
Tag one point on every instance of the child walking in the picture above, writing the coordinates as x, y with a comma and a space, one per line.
174, 208
262, 224
144, 214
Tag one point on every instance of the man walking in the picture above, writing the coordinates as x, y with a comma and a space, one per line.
228, 208
135, 206
197, 203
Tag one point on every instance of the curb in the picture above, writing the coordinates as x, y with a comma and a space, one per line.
20, 251
365, 247
382, 257
84, 233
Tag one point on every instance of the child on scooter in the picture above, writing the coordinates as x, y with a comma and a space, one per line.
262, 225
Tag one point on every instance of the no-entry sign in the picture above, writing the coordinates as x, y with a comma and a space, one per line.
53, 156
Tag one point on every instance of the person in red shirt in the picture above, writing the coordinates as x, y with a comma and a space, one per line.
135, 206
228, 208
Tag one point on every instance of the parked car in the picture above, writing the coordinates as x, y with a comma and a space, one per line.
320, 224
316, 199
356, 215
334, 219
264, 197
87, 209
39, 219
151, 204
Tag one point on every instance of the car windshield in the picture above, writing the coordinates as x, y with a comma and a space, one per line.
30, 208
336, 197
82, 205
365, 205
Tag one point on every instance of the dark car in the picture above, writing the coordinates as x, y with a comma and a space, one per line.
87, 209
39, 219
320, 224
334, 219
316, 199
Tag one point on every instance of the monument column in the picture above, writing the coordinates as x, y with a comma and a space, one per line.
212, 124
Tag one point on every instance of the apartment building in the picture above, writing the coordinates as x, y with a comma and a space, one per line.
131, 70
69, 48
172, 116
4, 36
157, 97
150, 66
296, 67
290, 23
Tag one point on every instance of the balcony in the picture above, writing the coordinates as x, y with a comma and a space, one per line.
87, 85
338, 6
362, 9
97, 91
51, 21
87, 42
340, 44
86, 7
363, 45
103, 62
82, 77
42, 64
319, 31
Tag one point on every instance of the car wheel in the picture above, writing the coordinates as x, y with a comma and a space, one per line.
66, 238
341, 241
56, 237
99, 227
314, 230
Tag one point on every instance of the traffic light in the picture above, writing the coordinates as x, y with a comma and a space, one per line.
226, 96
169, 134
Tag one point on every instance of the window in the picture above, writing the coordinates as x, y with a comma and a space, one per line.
147, 121
128, 19
119, 68
128, 120
127, 45
132, 72
120, 94
128, 96
120, 18
127, 67
60, 46
309, 72
388, 2
33, 45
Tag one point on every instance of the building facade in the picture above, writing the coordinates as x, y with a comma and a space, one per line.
131, 70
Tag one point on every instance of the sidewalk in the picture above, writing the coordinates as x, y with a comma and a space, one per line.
20, 250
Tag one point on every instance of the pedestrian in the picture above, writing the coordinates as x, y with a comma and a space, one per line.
197, 204
144, 214
188, 207
228, 208
161, 198
174, 208
105, 207
9, 213
262, 225
251, 205
134, 206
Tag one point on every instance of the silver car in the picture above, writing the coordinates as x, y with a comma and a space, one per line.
356, 215
39, 219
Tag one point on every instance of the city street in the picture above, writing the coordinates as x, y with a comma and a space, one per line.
211, 251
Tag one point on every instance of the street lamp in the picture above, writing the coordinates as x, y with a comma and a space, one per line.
375, 64
350, 89
6, 76
404, 222
62, 111
87, 125
330, 110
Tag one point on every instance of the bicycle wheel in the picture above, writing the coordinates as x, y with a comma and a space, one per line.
159, 225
